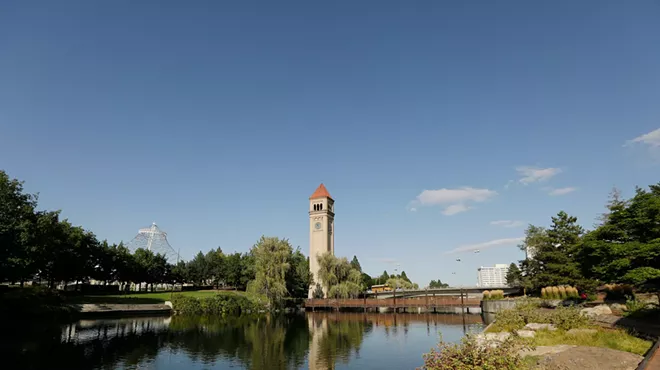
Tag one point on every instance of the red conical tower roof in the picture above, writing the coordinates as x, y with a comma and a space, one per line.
321, 192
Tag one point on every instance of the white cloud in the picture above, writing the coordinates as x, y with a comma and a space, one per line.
454, 209
562, 191
651, 139
454, 200
507, 223
530, 174
413, 209
486, 245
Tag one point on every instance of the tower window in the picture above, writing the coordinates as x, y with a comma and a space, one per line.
321, 207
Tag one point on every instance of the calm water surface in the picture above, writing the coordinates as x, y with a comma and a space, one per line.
305, 341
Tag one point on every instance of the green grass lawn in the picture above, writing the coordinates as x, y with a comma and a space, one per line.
143, 298
609, 338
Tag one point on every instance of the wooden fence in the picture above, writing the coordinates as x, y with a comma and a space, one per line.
425, 301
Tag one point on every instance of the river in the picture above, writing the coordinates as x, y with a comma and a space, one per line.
316, 341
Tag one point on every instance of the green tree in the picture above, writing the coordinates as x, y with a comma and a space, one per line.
271, 263
367, 281
233, 270
555, 252
216, 264
356, 264
340, 279
438, 284
298, 277
382, 279
17, 219
514, 276
626, 246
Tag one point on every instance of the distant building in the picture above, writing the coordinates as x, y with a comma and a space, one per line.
380, 288
529, 253
492, 276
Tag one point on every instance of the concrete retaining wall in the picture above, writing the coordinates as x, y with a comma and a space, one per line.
495, 306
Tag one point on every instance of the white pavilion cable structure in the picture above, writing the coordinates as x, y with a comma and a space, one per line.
154, 239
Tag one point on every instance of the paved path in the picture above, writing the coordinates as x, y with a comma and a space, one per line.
91, 309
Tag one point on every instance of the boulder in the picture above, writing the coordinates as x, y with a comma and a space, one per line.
602, 309
492, 339
581, 331
536, 326
526, 333
619, 307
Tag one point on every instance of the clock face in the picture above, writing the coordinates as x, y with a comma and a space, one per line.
317, 226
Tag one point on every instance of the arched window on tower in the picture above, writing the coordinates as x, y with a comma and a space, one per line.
315, 207
321, 207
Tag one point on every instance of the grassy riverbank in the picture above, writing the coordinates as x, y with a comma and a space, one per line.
148, 298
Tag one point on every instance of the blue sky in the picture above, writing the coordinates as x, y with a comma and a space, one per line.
427, 121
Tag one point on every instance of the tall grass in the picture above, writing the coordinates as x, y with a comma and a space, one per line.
559, 292
615, 339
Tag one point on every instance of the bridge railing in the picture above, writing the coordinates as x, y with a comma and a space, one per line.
393, 302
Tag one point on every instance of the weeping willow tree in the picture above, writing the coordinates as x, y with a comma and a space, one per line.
340, 279
395, 283
271, 256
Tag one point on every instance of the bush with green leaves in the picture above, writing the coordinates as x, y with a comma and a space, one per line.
564, 318
471, 355
221, 304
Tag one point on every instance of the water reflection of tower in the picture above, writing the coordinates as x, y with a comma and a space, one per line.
318, 327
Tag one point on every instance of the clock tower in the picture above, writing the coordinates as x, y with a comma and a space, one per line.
321, 230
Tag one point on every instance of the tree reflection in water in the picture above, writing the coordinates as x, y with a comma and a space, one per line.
284, 342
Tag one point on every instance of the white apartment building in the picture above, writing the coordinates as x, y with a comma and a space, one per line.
492, 276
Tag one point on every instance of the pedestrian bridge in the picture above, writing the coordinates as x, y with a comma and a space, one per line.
466, 292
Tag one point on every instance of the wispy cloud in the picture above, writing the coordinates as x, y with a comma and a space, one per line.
530, 174
385, 260
507, 223
454, 200
413, 209
651, 139
454, 209
485, 245
562, 191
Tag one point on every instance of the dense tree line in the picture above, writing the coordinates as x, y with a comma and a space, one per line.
623, 248
39, 246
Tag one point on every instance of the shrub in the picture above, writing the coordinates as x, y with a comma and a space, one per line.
559, 292
634, 305
470, 355
221, 304
618, 292
562, 292
562, 317
486, 295
567, 318
555, 293
497, 294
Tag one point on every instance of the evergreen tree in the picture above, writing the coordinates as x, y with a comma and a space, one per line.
555, 253
514, 276
356, 264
